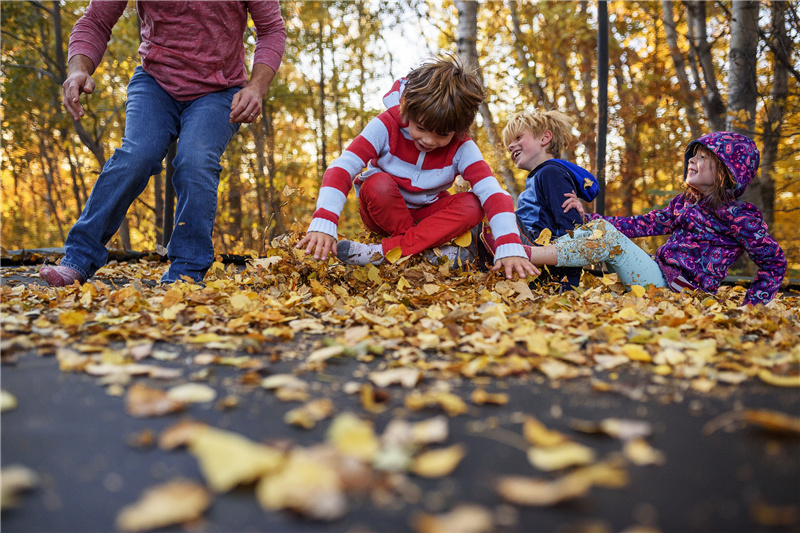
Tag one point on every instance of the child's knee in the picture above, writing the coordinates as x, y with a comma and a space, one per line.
471, 209
379, 186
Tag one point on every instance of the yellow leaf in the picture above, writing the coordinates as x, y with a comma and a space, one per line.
642, 454
72, 318
374, 274
307, 486
192, 393
174, 502
402, 284
240, 302
464, 240
779, 381
228, 459
638, 291
587, 183
544, 237
539, 435
636, 353
353, 436
438, 463
560, 456
394, 254
481, 397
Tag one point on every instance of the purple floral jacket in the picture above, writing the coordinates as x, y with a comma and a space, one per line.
704, 242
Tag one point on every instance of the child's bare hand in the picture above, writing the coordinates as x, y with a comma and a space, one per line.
520, 265
573, 202
321, 244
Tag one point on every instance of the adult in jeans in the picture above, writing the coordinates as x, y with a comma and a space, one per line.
191, 86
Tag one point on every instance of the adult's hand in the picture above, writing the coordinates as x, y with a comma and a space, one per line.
246, 104
520, 265
78, 81
320, 243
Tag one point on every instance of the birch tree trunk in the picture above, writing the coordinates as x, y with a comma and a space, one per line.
467, 50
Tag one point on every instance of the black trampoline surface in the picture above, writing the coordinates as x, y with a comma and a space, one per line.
730, 477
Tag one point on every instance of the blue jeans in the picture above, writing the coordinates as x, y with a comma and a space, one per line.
586, 245
153, 120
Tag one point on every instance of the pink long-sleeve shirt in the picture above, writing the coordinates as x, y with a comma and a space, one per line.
191, 48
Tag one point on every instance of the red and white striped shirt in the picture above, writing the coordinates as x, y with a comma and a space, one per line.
385, 145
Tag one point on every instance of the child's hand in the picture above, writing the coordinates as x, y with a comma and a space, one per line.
573, 202
520, 265
320, 243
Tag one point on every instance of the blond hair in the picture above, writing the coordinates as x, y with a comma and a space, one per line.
536, 123
443, 96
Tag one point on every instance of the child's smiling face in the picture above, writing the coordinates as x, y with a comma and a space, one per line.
528, 151
426, 140
702, 171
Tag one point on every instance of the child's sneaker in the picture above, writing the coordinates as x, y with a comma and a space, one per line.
456, 254
356, 253
59, 276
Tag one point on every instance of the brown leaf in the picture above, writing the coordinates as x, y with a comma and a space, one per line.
143, 401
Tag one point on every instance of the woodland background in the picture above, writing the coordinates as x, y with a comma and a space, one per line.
677, 70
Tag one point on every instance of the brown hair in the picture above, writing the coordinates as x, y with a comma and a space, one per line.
722, 191
537, 122
442, 96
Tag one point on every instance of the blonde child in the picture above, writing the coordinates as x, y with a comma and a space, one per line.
536, 140
709, 228
413, 152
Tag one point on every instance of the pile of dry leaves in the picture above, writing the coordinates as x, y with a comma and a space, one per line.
418, 325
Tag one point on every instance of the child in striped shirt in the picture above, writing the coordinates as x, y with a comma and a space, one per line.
413, 152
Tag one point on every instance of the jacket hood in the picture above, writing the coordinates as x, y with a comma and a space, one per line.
737, 152
586, 186
392, 100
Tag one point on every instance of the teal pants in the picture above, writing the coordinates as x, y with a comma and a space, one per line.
600, 242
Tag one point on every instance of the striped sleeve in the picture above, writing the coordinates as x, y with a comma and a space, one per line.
496, 203
338, 178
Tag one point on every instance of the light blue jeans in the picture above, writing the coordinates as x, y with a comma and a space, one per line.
600, 242
153, 120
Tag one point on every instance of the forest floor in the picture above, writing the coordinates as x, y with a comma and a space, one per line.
412, 398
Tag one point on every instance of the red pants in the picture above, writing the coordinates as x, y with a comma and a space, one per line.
384, 211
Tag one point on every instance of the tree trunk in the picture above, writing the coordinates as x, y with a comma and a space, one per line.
467, 50
680, 67
742, 90
529, 68
712, 100
773, 123
323, 162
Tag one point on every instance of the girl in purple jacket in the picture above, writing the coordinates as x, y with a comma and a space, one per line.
709, 228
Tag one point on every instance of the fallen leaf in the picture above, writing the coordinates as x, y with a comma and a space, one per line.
309, 414
15, 479
481, 397
438, 463
306, 486
560, 456
143, 401
353, 436
7, 401
408, 377
228, 459
639, 452
773, 420
175, 502
537, 434
463, 518
192, 393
